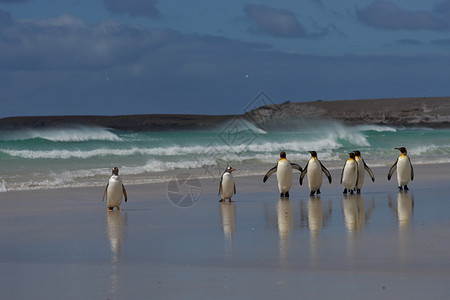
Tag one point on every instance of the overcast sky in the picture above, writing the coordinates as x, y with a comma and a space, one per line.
61, 57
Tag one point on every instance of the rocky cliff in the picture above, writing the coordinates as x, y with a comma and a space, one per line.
427, 112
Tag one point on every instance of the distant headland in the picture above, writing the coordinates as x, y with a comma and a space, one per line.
408, 112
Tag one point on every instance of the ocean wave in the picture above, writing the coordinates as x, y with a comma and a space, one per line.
74, 134
377, 128
3, 187
429, 150
180, 151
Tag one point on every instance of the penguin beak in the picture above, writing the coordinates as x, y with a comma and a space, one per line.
233, 169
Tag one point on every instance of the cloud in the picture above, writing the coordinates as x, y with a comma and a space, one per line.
65, 60
13, 1
134, 8
273, 21
66, 66
442, 8
5, 18
387, 15
319, 3
408, 42
441, 42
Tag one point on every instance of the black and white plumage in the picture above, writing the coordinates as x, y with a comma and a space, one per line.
361, 167
227, 186
405, 171
314, 169
284, 174
114, 191
349, 175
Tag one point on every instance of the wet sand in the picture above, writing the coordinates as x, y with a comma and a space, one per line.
63, 244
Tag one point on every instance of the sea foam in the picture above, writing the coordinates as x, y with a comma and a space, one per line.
72, 134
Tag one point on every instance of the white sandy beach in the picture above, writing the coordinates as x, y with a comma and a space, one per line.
63, 244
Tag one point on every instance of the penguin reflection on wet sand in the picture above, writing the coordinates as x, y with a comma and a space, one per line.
404, 169
227, 186
314, 168
284, 174
361, 167
349, 175
114, 191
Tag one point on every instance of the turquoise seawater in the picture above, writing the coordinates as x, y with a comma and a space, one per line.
79, 156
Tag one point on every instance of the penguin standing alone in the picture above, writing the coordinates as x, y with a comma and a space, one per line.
114, 191
404, 169
284, 174
361, 167
314, 168
349, 175
227, 187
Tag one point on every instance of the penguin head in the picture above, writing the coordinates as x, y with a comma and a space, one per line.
352, 155
313, 153
402, 150
283, 154
115, 171
357, 153
229, 170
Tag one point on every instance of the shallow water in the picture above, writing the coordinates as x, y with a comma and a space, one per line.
383, 243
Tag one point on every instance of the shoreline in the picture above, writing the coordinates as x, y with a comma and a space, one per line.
380, 174
381, 244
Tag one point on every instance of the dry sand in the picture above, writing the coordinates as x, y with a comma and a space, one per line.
63, 244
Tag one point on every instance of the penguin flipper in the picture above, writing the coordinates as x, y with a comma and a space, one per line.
392, 169
269, 173
327, 173
412, 170
296, 166
234, 188
104, 194
302, 175
342, 173
124, 193
220, 186
369, 170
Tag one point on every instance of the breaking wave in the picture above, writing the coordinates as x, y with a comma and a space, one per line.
73, 134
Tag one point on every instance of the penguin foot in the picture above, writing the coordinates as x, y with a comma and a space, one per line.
400, 188
345, 191
110, 208
221, 200
318, 192
351, 192
286, 194
406, 188
358, 191
118, 208
229, 200
312, 193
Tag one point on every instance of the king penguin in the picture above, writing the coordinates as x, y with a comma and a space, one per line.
349, 176
114, 191
361, 167
227, 187
284, 174
404, 169
314, 168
